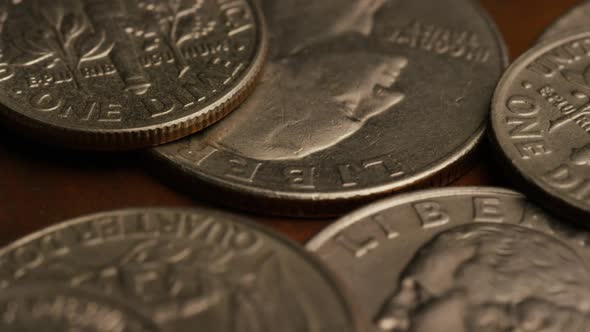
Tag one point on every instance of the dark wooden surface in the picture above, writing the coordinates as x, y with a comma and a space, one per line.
40, 186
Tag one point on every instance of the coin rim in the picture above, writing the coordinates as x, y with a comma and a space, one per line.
538, 192
328, 233
151, 135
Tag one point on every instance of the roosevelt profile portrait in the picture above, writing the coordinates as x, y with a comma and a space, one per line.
323, 82
490, 278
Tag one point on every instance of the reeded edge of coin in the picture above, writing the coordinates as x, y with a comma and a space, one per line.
553, 203
337, 286
311, 204
329, 232
147, 136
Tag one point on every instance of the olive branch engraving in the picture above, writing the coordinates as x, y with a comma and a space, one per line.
59, 39
179, 21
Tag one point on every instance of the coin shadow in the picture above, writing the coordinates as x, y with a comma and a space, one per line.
496, 168
21, 148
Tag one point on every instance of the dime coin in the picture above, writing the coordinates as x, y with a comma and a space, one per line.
122, 74
541, 124
182, 269
577, 18
359, 99
56, 309
470, 259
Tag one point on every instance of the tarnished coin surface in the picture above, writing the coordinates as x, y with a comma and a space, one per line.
180, 268
359, 99
578, 18
461, 260
53, 308
541, 124
122, 74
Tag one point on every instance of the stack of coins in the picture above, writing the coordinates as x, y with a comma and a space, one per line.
303, 108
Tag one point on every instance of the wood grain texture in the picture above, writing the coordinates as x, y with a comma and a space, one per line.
40, 186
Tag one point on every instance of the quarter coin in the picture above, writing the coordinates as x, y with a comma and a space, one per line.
53, 308
469, 259
121, 74
575, 19
359, 99
180, 268
541, 124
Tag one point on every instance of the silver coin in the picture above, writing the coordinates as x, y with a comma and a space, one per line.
359, 99
541, 125
53, 308
461, 259
121, 74
183, 269
577, 18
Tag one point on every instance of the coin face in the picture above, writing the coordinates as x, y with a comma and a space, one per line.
56, 309
359, 98
120, 74
541, 125
575, 19
181, 269
462, 260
